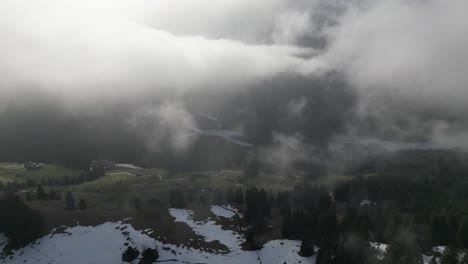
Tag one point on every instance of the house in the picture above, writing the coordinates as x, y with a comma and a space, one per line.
366, 202
102, 164
30, 166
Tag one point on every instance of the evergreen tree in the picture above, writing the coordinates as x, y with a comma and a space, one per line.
149, 256
82, 204
464, 259
53, 195
449, 256
177, 199
324, 256
434, 260
307, 248
239, 197
29, 196
463, 232
18, 222
287, 228
217, 198
136, 203
250, 234
190, 197
40, 193
130, 254
230, 196
69, 201
402, 252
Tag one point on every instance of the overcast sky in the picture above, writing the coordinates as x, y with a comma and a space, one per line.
108, 51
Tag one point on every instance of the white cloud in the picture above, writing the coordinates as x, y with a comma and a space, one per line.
416, 48
80, 51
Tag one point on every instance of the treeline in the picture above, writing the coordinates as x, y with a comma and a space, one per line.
340, 231
65, 180
423, 191
411, 200
42, 195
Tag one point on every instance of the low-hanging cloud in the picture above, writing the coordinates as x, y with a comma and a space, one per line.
166, 126
407, 60
83, 52
89, 55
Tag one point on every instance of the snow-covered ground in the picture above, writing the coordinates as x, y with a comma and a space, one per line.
380, 248
209, 229
276, 251
105, 243
128, 166
228, 135
225, 211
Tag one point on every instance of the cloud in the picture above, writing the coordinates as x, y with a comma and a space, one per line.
413, 52
144, 55
81, 51
416, 48
91, 57
166, 126
287, 151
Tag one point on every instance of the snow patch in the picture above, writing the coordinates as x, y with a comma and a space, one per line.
105, 243
208, 229
128, 166
225, 211
439, 249
380, 248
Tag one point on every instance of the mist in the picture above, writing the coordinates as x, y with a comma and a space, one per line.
391, 69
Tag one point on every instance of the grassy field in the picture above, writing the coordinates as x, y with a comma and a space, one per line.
10, 172
112, 197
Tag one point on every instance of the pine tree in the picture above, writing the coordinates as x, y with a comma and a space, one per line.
217, 198
149, 256
463, 232
239, 197
464, 259
18, 222
286, 227
190, 197
449, 256
82, 204
177, 199
250, 234
70, 201
136, 203
130, 254
53, 195
28, 197
399, 252
307, 248
230, 196
324, 256
40, 193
